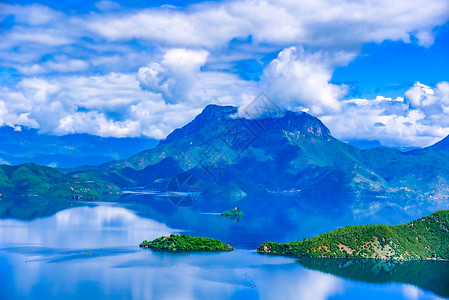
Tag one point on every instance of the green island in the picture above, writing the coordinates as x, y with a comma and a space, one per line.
235, 213
424, 239
182, 242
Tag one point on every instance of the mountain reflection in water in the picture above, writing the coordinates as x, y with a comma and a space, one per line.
429, 275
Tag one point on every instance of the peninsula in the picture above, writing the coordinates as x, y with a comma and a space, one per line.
424, 239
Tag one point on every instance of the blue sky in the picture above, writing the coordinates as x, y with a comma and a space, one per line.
391, 67
370, 70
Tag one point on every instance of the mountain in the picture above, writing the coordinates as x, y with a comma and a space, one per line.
66, 151
291, 154
34, 180
423, 239
369, 144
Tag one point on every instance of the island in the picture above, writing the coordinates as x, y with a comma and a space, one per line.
182, 242
235, 213
424, 239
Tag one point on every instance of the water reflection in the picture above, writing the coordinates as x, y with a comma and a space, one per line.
102, 226
429, 275
29, 208
274, 218
268, 218
92, 253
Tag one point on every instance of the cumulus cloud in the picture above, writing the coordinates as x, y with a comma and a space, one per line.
176, 76
302, 80
109, 105
421, 95
115, 104
269, 25
418, 120
204, 26
343, 23
179, 78
97, 123
132, 72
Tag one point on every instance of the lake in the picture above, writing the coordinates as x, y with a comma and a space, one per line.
90, 251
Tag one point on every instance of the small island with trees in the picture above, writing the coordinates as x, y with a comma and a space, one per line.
424, 239
182, 242
234, 213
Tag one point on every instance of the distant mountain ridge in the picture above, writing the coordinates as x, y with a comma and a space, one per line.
27, 145
34, 180
294, 154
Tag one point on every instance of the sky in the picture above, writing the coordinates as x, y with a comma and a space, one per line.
373, 70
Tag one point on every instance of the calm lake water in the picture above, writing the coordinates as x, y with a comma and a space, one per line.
91, 252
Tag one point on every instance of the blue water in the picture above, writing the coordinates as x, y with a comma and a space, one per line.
91, 252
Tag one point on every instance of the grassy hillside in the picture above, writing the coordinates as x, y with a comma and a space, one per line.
426, 238
34, 180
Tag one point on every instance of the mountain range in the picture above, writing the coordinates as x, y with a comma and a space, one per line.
23, 145
231, 157
33, 180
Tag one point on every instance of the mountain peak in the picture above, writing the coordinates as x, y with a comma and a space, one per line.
218, 109
210, 114
215, 116
293, 121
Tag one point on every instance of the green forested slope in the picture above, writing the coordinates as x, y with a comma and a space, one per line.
34, 180
177, 242
426, 238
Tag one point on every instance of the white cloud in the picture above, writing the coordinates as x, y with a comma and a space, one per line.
49, 37
3, 110
297, 79
343, 23
97, 123
203, 27
421, 95
179, 79
443, 91
419, 120
185, 58
32, 14
30, 70
176, 76
67, 65
115, 105
109, 105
